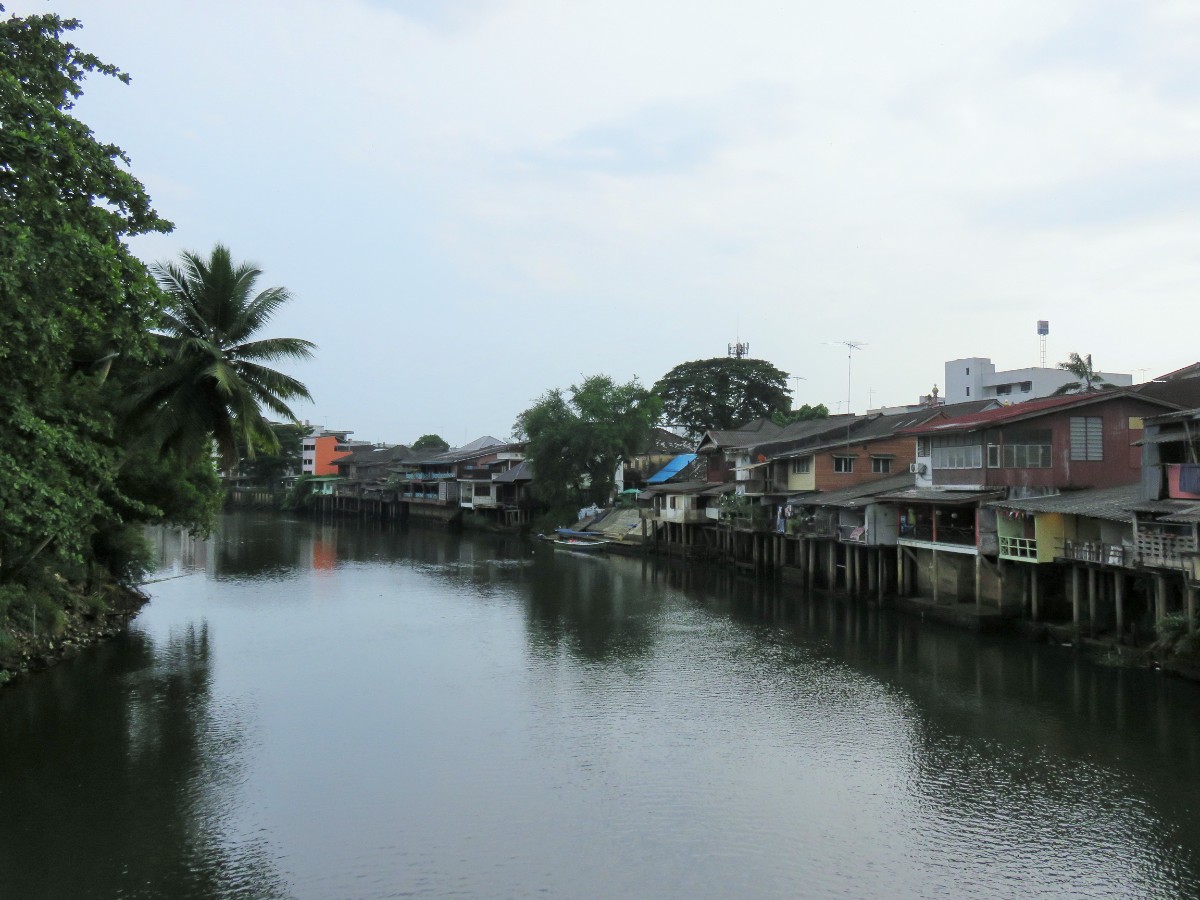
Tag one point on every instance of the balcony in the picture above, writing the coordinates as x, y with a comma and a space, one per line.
955, 538
1019, 548
852, 534
1165, 551
1098, 552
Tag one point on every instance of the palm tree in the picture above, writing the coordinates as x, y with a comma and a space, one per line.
214, 384
1081, 368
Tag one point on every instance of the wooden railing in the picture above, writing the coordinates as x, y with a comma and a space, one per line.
1017, 547
1098, 552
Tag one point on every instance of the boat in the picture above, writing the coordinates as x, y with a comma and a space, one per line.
581, 543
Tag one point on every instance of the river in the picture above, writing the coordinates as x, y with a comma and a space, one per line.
316, 711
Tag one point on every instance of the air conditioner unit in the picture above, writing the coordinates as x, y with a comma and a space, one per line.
916, 468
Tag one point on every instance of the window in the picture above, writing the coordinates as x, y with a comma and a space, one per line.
1026, 387
957, 452
1002, 389
968, 392
1087, 438
843, 464
968, 370
881, 465
1028, 449
802, 466
993, 456
922, 446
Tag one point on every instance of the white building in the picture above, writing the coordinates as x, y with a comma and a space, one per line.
976, 378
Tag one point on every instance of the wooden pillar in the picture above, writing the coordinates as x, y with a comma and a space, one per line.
1091, 601
830, 565
935, 577
901, 584
1160, 599
1190, 599
1119, 586
978, 581
873, 569
1075, 598
851, 569
880, 573
1033, 592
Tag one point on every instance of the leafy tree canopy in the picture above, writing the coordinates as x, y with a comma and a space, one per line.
722, 393
804, 414
215, 382
1088, 378
72, 296
430, 442
269, 464
577, 438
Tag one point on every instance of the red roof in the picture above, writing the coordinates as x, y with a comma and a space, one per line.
1008, 413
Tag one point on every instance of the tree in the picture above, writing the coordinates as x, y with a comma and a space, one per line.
1088, 378
575, 443
805, 413
268, 467
721, 393
215, 382
430, 442
72, 296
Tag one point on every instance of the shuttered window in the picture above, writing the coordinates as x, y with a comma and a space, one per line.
1087, 438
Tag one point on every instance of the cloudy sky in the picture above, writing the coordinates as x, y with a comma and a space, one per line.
474, 201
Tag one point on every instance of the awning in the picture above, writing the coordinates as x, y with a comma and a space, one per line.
1163, 437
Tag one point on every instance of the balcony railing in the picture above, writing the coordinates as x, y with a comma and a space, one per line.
1165, 551
1018, 547
1098, 552
963, 537
852, 534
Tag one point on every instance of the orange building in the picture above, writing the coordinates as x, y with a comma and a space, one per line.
320, 451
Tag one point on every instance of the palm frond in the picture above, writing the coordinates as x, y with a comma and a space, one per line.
274, 348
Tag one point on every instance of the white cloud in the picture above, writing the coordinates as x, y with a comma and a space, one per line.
618, 186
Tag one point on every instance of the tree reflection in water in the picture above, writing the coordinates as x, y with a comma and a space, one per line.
134, 774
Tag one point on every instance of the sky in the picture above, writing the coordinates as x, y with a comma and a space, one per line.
476, 201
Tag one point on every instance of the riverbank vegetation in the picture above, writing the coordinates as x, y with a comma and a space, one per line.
576, 440
116, 382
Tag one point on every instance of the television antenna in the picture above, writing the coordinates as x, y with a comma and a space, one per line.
850, 346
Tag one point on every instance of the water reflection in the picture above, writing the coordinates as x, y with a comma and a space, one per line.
119, 763
374, 709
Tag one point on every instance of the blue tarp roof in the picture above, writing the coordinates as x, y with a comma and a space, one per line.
674, 467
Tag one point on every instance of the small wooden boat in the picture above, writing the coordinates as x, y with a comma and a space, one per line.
581, 543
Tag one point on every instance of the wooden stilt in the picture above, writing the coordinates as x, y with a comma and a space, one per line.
936, 579
1119, 588
978, 581
1091, 601
1075, 597
1033, 592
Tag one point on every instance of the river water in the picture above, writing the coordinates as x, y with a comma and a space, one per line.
319, 711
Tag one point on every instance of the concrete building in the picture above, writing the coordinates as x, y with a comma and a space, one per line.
976, 378
320, 449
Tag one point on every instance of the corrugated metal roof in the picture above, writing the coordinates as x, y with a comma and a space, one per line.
522, 471
851, 497
935, 495
1112, 503
671, 469
1027, 409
